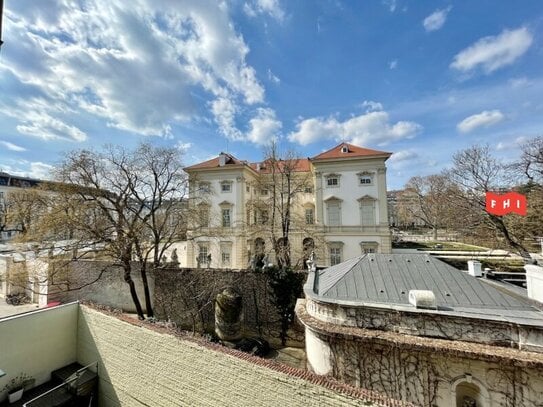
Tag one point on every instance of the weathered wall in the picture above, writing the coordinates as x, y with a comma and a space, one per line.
424, 371
38, 343
108, 286
186, 297
430, 324
141, 367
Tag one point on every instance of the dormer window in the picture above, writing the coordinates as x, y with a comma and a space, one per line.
344, 149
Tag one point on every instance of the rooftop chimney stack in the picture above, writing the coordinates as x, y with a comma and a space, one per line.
222, 160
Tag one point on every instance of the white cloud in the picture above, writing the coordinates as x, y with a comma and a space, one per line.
269, 7
140, 67
486, 118
391, 4
43, 126
436, 20
372, 106
12, 147
403, 158
29, 169
264, 127
273, 78
372, 127
511, 144
183, 147
393, 64
493, 52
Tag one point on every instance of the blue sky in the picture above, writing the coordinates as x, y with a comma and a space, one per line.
422, 79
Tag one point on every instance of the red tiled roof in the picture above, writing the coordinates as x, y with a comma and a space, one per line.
353, 151
298, 165
214, 163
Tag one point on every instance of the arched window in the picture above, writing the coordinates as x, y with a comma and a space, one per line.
469, 392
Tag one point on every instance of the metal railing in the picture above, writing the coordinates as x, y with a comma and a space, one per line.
64, 390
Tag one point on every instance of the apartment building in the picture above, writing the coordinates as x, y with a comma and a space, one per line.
338, 208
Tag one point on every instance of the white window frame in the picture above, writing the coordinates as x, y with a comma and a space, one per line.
333, 177
226, 217
365, 202
333, 203
226, 187
335, 251
309, 216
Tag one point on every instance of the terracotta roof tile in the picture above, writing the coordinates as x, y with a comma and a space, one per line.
352, 151
299, 165
214, 163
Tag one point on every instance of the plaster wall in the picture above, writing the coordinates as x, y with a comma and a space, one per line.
37, 343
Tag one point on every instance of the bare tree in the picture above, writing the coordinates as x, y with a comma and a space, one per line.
286, 179
531, 160
427, 199
476, 171
129, 203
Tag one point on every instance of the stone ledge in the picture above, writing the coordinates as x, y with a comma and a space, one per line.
470, 350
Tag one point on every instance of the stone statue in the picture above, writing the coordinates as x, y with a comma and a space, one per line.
312, 262
228, 314
175, 258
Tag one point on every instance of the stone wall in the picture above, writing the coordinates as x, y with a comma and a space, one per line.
138, 366
471, 328
186, 297
424, 371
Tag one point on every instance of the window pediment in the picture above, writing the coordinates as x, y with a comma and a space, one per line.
333, 198
366, 198
226, 204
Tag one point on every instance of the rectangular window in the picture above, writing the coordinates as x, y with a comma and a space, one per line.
364, 180
247, 189
335, 255
367, 213
204, 187
225, 258
226, 187
332, 181
308, 190
226, 218
309, 218
263, 192
263, 217
369, 250
334, 214
203, 254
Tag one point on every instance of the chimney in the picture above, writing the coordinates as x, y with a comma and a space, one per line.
474, 268
222, 160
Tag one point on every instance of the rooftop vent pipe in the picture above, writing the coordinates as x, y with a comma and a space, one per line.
422, 299
474, 268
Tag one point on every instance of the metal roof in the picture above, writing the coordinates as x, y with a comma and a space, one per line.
385, 280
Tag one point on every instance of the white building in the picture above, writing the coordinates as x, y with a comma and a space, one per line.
340, 212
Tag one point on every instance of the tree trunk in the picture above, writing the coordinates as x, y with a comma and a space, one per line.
148, 305
133, 293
